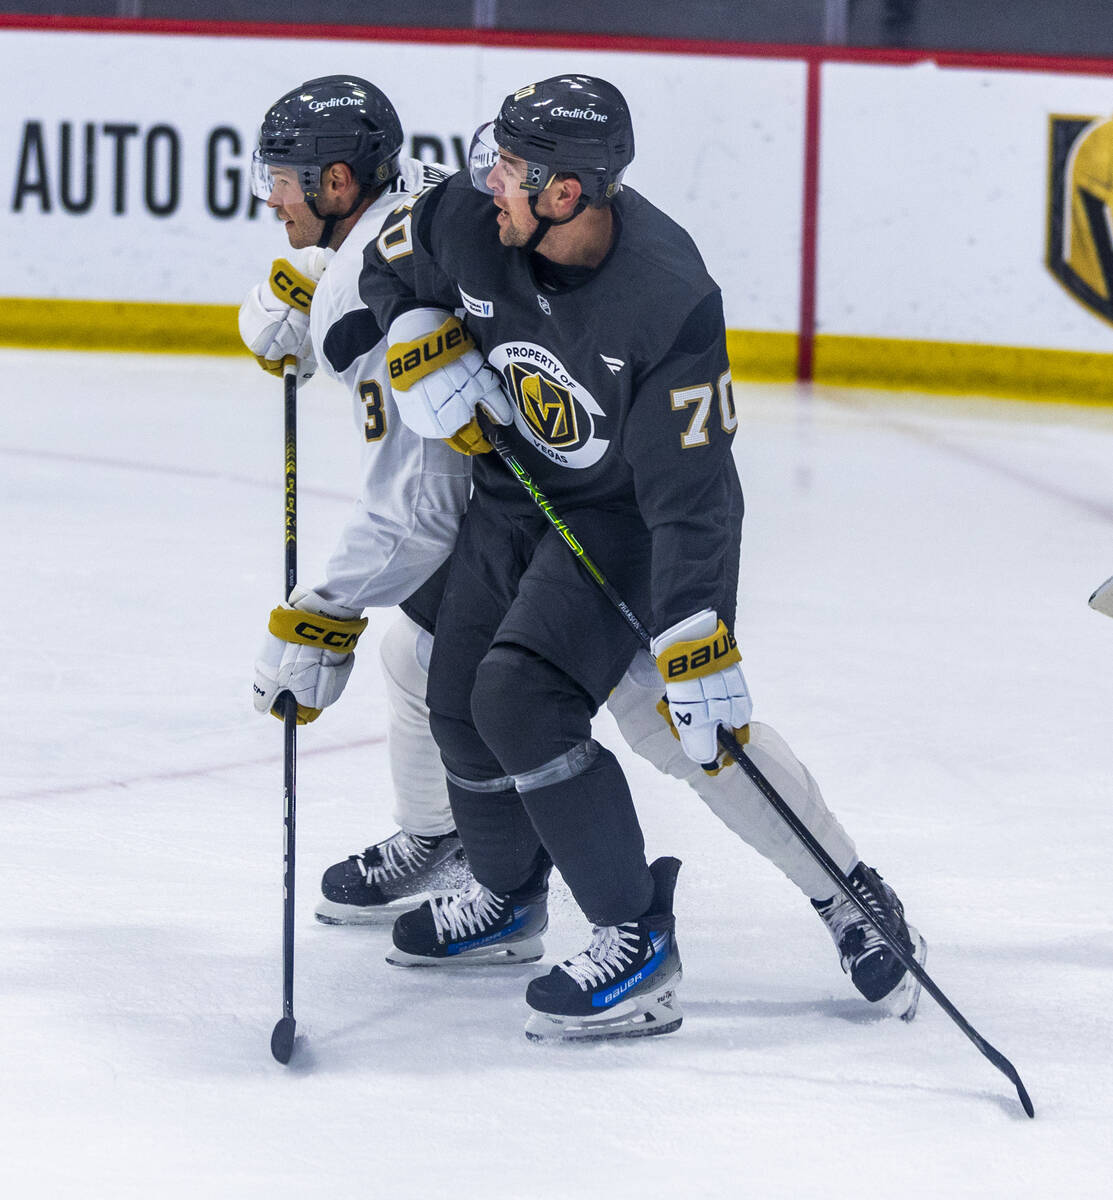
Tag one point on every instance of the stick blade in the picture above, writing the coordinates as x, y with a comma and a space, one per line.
1009, 1071
282, 1040
1102, 599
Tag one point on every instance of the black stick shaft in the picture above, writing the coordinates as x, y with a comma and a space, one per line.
730, 744
290, 414
282, 1039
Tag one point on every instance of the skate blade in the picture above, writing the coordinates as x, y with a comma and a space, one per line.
904, 999
329, 912
512, 954
629, 1019
450, 876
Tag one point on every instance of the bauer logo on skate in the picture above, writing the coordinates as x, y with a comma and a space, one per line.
555, 412
498, 935
660, 948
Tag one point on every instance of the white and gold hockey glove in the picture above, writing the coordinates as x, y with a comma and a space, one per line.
440, 379
274, 317
308, 651
704, 685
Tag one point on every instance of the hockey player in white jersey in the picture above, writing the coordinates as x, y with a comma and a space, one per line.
413, 492
328, 164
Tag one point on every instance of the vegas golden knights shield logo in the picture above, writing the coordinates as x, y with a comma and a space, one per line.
1080, 210
547, 407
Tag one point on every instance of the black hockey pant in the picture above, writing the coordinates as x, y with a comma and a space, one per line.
526, 650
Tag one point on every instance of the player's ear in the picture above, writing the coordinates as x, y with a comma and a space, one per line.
339, 177
566, 190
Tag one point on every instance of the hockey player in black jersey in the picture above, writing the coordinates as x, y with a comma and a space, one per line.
606, 338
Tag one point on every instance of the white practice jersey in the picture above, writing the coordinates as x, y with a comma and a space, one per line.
413, 491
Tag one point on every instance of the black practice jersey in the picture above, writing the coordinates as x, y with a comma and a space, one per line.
619, 376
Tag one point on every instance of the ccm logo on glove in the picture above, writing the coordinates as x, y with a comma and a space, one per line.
291, 286
692, 660
411, 361
340, 637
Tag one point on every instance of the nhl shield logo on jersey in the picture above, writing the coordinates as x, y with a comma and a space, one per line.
552, 409
1080, 209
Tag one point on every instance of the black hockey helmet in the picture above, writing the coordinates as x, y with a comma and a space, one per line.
568, 125
337, 118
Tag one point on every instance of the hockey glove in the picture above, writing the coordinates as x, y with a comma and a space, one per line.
307, 651
704, 684
274, 318
440, 379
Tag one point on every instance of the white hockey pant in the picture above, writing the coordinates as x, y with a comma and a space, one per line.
731, 795
420, 792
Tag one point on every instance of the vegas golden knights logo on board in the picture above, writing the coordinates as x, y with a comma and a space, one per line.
546, 406
1080, 209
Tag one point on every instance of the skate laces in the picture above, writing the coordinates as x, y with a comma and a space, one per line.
399, 855
460, 914
612, 950
843, 918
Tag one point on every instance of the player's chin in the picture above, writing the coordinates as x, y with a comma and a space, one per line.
510, 234
298, 238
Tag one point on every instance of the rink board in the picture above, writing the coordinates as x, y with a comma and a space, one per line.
127, 195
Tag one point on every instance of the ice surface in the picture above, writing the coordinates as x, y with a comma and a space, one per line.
913, 619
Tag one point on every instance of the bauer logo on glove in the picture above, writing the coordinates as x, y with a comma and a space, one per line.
690, 660
411, 361
441, 380
699, 661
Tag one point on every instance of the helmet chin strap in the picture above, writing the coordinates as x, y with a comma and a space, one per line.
326, 229
544, 224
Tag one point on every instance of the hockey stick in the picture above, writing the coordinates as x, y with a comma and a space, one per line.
282, 1037
730, 744
1102, 599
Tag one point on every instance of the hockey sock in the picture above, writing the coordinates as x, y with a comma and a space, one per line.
588, 825
500, 839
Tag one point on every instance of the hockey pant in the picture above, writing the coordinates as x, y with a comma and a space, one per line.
421, 795
730, 794
556, 795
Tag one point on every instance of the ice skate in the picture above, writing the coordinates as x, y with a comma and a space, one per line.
475, 926
373, 887
622, 985
872, 966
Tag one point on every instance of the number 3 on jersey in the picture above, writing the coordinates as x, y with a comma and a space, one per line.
374, 425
